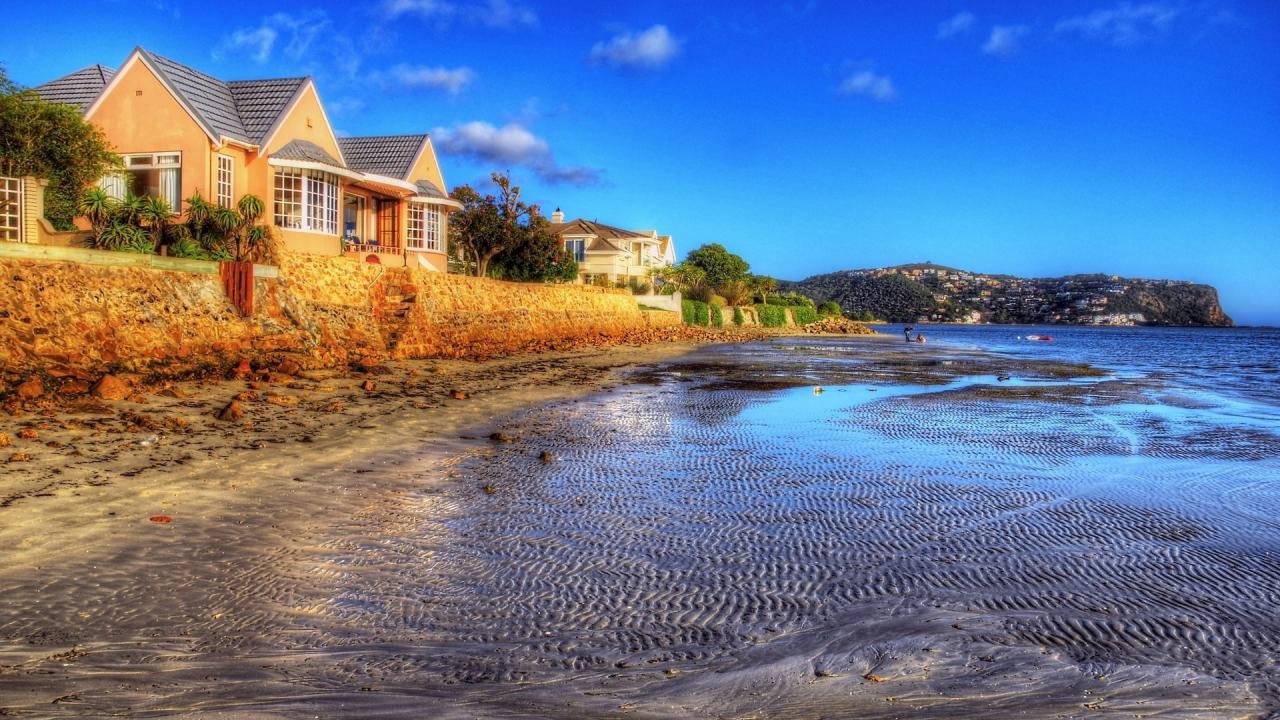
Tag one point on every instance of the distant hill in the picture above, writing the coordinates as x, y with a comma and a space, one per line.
923, 292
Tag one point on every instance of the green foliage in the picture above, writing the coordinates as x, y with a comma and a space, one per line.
803, 314
717, 316
639, 286
688, 313
763, 285
794, 299
699, 291
735, 292
52, 141
602, 281
506, 237
719, 264
667, 289
142, 225
702, 313
830, 308
738, 318
776, 301
772, 315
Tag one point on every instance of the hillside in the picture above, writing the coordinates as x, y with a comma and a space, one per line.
926, 292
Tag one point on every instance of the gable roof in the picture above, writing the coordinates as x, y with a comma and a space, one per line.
208, 96
600, 230
306, 150
389, 155
79, 88
261, 103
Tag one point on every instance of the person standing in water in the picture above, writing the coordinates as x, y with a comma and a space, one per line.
906, 333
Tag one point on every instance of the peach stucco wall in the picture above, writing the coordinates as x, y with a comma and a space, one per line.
140, 116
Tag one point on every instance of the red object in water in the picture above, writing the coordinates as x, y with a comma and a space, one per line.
1044, 338
161, 518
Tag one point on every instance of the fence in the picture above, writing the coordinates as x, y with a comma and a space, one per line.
237, 280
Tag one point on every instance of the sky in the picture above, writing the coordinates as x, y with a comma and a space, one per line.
1030, 138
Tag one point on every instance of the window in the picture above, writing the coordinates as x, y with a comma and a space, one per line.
389, 223
353, 222
424, 227
11, 209
306, 200
226, 170
153, 175
577, 248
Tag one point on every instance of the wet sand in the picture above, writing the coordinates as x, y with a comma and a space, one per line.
708, 536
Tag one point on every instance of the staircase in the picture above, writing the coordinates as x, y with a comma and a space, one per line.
396, 320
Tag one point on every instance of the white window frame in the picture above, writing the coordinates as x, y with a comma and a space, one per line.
226, 180
415, 237
306, 200
580, 252
11, 217
117, 187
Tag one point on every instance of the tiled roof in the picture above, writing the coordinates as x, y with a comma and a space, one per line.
305, 150
80, 88
389, 155
426, 188
606, 234
261, 102
210, 97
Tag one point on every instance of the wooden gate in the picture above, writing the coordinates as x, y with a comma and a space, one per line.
237, 280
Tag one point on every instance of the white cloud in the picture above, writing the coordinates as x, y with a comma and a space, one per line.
509, 145
868, 84
432, 78
650, 49
1005, 40
497, 14
962, 23
299, 32
1125, 24
345, 106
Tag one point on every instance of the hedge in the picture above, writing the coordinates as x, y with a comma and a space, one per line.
804, 314
717, 317
738, 319
695, 312
772, 315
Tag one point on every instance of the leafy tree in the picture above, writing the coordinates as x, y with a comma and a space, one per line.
488, 225
719, 264
540, 256
53, 141
829, 308
763, 285
684, 274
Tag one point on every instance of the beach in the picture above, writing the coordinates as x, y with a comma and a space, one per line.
796, 527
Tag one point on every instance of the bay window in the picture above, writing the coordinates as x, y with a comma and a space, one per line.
424, 227
306, 200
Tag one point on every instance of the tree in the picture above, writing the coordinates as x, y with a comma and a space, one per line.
763, 285
504, 235
684, 274
539, 257
52, 141
719, 264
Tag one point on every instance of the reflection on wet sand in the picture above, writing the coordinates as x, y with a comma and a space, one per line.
717, 539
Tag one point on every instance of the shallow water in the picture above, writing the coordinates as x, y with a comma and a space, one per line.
803, 528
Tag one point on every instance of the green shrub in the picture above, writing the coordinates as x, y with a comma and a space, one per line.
738, 319
830, 308
700, 292
639, 286
717, 316
688, 312
776, 301
667, 289
804, 314
772, 315
702, 313
718, 301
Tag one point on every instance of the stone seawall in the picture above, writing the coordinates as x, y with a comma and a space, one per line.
322, 310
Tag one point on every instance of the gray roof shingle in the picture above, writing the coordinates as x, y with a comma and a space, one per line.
426, 188
80, 88
260, 103
306, 150
209, 96
389, 155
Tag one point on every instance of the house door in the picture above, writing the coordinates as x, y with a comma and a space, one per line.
389, 223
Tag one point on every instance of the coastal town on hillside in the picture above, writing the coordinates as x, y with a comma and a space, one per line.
937, 293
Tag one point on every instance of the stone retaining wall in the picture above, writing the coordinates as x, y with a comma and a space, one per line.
324, 310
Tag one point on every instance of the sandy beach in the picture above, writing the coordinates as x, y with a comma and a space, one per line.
674, 530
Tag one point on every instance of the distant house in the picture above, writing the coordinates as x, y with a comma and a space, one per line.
605, 251
182, 132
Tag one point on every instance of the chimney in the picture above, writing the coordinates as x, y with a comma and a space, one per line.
557, 217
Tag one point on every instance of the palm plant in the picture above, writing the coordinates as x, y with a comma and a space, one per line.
96, 207
200, 219
129, 209
158, 216
735, 292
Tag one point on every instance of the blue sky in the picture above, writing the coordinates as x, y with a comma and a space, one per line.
1031, 138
